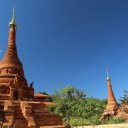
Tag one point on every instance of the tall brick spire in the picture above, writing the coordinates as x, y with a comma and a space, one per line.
112, 104
11, 57
10, 66
12, 78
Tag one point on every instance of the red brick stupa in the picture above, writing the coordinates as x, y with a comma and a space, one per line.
13, 84
112, 104
19, 107
112, 108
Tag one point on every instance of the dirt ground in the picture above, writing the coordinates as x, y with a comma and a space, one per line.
125, 125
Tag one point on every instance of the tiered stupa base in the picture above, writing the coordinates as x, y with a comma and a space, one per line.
29, 114
118, 112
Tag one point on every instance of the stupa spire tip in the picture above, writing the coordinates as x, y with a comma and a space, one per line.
13, 18
108, 78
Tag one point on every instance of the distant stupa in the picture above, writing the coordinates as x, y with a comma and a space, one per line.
113, 109
112, 104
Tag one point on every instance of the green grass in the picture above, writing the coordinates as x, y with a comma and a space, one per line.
115, 120
79, 122
94, 121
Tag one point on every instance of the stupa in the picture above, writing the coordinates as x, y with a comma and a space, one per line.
19, 107
112, 103
113, 109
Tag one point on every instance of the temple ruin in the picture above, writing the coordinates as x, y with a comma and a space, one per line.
19, 106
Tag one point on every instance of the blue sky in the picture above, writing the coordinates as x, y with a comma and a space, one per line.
69, 42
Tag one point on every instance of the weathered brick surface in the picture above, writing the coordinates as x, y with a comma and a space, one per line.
112, 104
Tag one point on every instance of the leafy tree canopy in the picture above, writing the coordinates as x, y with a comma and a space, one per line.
73, 103
124, 99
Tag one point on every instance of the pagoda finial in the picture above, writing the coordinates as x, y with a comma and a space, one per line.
12, 23
108, 78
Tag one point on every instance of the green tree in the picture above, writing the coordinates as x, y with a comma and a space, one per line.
72, 104
124, 99
67, 102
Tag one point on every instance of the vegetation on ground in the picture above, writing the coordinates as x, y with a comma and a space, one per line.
115, 120
77, 109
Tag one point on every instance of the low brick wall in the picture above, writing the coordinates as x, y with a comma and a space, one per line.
124, 125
